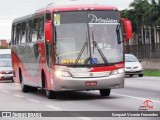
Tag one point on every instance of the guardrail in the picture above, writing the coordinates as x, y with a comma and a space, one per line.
144, 51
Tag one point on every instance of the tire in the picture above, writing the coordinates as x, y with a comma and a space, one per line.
140, 75
49, 93
33, 89
105, 92
12, 80
24, 87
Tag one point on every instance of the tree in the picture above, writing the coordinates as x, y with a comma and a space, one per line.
145, 18
139, 7
155, 16
144, 14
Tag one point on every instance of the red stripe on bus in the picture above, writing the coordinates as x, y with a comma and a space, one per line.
107, 68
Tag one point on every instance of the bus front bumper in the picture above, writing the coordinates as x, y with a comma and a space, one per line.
76, 84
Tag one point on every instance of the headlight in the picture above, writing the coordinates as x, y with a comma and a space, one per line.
60, 73
118, 71
140, 67
1, 75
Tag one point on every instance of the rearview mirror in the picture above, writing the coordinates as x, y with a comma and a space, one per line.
127, 29
48, 31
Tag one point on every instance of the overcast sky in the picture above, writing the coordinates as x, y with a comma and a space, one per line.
10, 9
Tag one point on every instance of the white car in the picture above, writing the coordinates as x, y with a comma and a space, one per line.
6, 69
133, 66
5, 65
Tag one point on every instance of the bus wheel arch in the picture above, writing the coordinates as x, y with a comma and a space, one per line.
49, 93
24, 87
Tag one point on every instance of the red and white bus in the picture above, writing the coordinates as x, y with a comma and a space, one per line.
70, 46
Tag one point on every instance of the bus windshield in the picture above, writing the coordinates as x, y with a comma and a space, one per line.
87, 38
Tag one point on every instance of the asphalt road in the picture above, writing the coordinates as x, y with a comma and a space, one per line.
136, 91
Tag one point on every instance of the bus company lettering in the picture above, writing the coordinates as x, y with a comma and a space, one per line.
71, 61
95, 19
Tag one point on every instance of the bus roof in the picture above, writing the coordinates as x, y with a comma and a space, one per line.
5, 51
71, 2
67, 6
73, 5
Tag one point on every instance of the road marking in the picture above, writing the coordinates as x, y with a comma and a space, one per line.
144, 84
82, 118
6, 92
32, 100
135, 97
54, 108
16, 95
73, 114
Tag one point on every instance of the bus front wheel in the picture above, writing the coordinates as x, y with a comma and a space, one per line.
105, 92
50, 94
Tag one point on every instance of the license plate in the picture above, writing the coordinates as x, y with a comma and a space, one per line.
93, 83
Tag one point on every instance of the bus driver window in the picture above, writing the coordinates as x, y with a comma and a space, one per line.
104, 40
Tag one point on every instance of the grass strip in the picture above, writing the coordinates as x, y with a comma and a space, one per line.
152, 73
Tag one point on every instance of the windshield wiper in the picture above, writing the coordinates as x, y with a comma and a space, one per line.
93, 41
99, 50
82, 50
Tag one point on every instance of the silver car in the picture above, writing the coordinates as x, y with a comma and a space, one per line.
133, 66
6, 69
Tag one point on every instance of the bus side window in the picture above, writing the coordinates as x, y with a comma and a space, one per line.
48, 16
17, 36
28, 32
13, 34
34, 29
23, 34
41, 28
20, 33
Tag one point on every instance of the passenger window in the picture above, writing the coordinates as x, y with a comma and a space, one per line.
34, 29
41, 28
23, 34
17, 36
13, 34
28, 32
48, 16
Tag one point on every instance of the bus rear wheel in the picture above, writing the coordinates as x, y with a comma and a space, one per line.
24, 87
33, 89
105, 92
